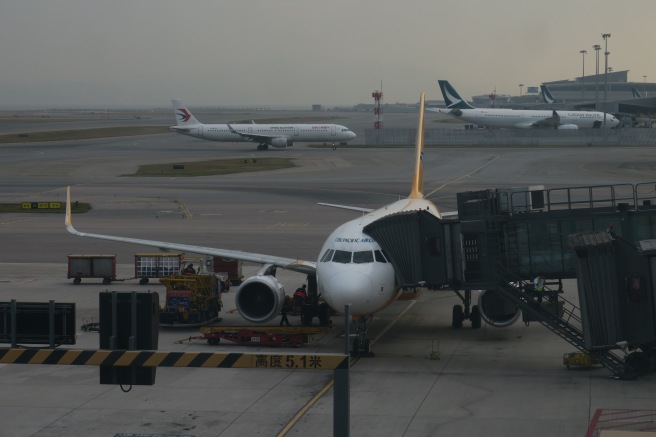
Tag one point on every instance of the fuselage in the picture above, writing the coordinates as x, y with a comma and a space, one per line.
352, 268
293, 132
516, 118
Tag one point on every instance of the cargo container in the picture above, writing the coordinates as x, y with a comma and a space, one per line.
230, 268
92, 266
156, 265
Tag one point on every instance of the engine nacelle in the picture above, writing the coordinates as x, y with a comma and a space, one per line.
567, 127
281, 142
496, 310
260, 298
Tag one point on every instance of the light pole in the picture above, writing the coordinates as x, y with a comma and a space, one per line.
605, 36
597, 47
644, 85
583, 53
521, 85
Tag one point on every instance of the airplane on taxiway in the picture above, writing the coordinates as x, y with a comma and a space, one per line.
277, 135
457, 107
351, 267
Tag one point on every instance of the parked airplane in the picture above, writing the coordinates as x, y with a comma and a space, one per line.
457, 107
276, 135
351, 267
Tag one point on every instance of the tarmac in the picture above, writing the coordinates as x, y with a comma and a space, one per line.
426, 379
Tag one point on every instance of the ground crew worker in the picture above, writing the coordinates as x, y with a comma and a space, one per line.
284, 321
189, 270
538, 287
299, 298
309, 312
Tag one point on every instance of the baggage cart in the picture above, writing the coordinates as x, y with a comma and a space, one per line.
156, 265
92, 266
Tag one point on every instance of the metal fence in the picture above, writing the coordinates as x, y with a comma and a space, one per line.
515, 137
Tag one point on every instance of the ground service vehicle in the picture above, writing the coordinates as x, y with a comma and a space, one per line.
191, 300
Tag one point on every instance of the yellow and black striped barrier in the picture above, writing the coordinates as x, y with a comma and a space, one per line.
125, 358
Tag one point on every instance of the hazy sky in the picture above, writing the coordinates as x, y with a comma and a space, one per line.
287, 52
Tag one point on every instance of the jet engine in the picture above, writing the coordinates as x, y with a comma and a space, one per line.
281, 142
496, 310
567, 127
457, 112
260, 298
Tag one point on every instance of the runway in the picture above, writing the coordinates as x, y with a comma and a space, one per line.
493, 382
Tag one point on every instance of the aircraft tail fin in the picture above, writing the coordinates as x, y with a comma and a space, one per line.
451, 96
417, 191
636, 93
546, 95
183, 116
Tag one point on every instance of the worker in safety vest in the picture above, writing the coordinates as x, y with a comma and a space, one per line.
538, 287
299, 298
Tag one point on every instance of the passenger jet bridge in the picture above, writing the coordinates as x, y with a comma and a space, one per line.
604, 236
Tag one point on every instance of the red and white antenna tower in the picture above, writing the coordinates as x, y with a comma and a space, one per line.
493, 97
378, 110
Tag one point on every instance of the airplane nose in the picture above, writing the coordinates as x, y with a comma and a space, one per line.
351, 135
351, 288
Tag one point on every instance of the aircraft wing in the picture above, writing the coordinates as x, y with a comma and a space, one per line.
179, 129
553, 121
306, 267
253, 137
366, 210
352, 208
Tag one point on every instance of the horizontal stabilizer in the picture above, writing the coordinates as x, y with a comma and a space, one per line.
352, 208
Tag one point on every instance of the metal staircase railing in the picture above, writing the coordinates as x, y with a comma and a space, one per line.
563, 322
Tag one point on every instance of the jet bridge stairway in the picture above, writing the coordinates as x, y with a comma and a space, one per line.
561, 317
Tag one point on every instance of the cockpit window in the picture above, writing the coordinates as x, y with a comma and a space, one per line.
363, 257
379, 256
327, 256
342, 256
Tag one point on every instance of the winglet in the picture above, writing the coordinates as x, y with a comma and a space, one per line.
418, 178
68, 221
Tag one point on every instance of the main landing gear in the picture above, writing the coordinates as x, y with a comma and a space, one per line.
459, 314
263, 146
334, 146
361, 344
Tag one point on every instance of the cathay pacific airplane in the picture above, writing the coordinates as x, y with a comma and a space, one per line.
351, 267
546, 95
276, 135
457, 107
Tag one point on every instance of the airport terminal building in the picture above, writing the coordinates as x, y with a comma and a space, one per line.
587, 92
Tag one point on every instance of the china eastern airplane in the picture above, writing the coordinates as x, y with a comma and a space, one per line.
351, 267
276, 135
457, 107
